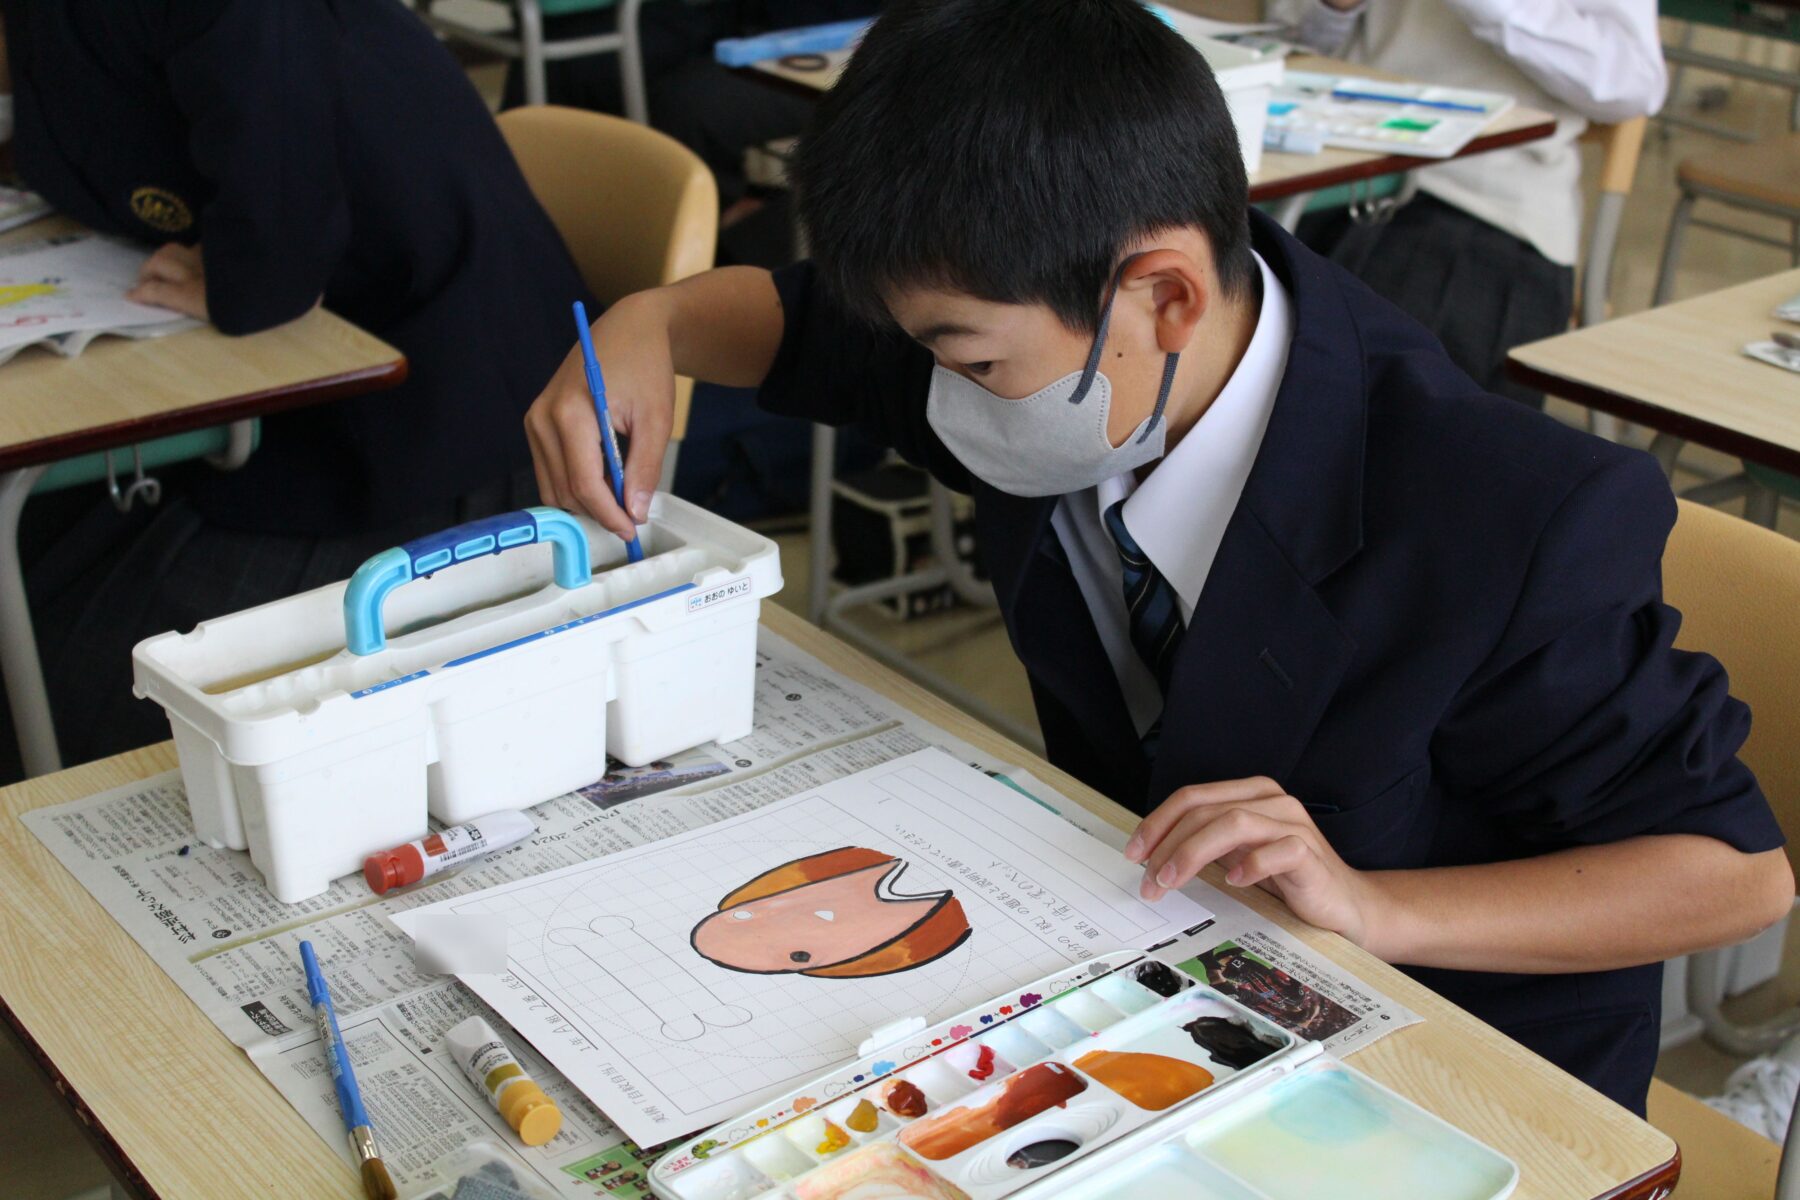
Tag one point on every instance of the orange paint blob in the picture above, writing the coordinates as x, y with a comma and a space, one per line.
1150, 1081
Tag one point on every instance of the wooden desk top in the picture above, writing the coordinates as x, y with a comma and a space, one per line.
1280, 174
151, 1078
1681, 369
120, 391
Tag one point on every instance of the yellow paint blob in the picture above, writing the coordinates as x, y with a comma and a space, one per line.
12, 293
835, 1139
863, 1118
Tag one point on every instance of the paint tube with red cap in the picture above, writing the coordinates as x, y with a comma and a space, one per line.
447, 848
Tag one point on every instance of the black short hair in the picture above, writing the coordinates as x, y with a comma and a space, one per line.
1013, 149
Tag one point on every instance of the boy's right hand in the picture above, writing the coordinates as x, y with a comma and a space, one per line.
632, 342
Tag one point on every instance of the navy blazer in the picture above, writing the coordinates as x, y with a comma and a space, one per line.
1435, 619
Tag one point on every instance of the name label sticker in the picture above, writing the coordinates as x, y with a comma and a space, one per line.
724, 593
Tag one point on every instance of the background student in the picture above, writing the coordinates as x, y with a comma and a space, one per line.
284, 155
1485, 254
712, 109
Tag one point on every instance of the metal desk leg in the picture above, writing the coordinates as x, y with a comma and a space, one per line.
1666, 448
631, 64
1288, 210
824, 466
531, 51
25, 691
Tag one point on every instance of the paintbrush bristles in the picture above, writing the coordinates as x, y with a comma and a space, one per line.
377, 1182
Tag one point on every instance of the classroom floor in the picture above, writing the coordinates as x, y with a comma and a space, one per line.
44, 1155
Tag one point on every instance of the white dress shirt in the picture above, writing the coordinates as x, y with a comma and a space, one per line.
1179, 512
1583, 60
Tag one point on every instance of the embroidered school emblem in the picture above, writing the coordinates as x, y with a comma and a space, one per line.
161, 209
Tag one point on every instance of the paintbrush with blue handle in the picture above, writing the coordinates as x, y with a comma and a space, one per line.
597, 387
376, 1180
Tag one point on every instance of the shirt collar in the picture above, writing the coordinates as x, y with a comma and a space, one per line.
1178, 515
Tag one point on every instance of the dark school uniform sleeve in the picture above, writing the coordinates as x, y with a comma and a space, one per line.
1585, 725
257, 84
836, 370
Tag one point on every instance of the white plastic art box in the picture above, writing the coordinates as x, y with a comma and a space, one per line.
1247, 77
315, 730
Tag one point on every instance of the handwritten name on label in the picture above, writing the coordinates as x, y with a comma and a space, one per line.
737, 589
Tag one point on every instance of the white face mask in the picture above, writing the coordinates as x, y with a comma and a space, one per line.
1053, 441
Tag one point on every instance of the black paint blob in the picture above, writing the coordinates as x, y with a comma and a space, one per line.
1159, 977
1230, 1043
1041, 1154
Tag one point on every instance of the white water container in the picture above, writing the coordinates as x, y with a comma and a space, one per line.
1247, 77
315, 730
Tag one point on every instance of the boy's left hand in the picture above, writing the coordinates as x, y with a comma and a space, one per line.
174, 277
1263, 837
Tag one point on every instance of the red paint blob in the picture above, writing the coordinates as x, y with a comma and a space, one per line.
984, 1063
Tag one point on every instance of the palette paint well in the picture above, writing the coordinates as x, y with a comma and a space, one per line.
1153, 1082
1018, 1098
880, 1172
1163, 1174
1330, 1132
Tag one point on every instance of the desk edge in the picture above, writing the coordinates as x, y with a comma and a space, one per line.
203, 416
98, 1135
1690, 428
1393, 164
1651, 1185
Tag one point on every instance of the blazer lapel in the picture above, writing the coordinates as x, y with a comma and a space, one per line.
1261, 659
1263, 654
1053, 634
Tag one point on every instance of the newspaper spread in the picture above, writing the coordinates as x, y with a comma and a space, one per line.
205, 917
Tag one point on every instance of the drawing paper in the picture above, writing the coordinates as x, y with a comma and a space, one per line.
63, 291
681, 982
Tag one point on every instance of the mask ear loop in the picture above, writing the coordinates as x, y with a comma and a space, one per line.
1093, 360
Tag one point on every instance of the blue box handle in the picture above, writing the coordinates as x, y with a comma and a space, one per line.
421, 557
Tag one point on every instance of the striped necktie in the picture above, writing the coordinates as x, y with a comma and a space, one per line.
1152, 611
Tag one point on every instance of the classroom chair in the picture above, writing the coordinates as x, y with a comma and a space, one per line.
635, 207
528, 45
1620, 145
1774, 23
1720, 1159
1762, 177
1737, 586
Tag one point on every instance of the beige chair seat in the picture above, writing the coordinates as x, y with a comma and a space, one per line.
635, 207
1768, 171
1720, 1159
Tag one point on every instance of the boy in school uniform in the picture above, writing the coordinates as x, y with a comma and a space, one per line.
1284, 579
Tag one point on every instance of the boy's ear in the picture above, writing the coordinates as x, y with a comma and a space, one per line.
1179, 294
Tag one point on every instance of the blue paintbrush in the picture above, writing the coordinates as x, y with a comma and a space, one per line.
597, 386
376, 1180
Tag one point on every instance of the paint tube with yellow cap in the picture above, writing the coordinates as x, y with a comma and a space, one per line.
496, 1073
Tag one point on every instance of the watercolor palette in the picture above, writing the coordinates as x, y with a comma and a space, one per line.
1117, 1078
1113, 1080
